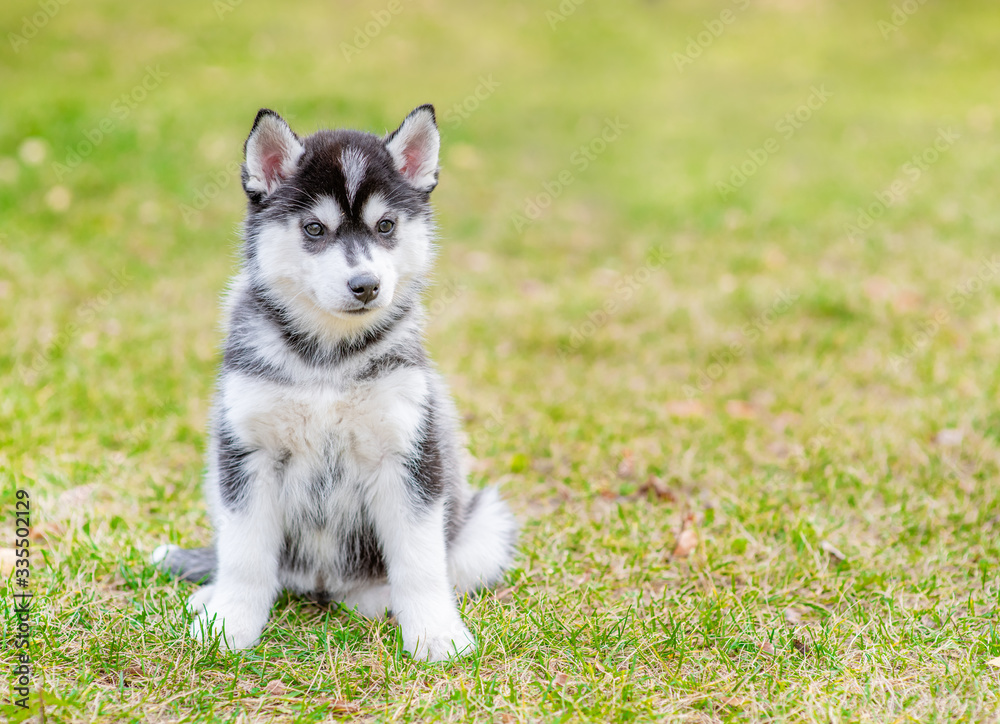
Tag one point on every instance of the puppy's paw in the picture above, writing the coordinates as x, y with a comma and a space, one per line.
199, 599
441, 645
235, 632
238, 626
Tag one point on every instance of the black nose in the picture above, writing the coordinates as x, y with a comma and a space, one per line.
364, 287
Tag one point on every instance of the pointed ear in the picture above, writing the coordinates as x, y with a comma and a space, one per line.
272, 152
414, 148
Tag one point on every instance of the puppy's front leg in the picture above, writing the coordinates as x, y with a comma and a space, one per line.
249, 529
422, 597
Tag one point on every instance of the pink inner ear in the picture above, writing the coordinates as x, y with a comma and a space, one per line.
271, 166
411, 163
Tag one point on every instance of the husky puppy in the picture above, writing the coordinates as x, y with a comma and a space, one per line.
334, 467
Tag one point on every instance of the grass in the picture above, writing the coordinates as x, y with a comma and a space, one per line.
754, 451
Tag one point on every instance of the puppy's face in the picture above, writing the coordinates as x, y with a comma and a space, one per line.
339, 225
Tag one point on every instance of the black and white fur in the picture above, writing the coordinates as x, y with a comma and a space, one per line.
334, 467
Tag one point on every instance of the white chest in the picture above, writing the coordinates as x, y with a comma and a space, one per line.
365, 422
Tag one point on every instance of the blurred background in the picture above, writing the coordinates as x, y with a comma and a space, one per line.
732, 260
723, 152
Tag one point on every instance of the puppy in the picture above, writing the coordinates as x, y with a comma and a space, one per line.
334, 465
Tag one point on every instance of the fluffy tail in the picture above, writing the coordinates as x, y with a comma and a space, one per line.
484, 547
189, 564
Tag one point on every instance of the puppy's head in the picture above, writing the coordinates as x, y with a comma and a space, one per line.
339, 226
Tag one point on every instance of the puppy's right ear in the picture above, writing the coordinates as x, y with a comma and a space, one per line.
272, 152
415, 146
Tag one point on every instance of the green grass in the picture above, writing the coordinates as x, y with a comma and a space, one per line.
786, 383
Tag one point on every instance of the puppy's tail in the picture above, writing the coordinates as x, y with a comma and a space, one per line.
189, 564
484, 547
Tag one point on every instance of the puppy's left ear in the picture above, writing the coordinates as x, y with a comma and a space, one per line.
414, 148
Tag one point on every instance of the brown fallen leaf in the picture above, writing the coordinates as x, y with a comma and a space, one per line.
560, 679
126, 677
543, 465
780, 449
784, 420
905, 300
687, 540
878, 288
658, 487
342, 706
563, 491
740, 410
276, 687
734, 701
531, 287
47, 531
685, 408
803, 647
767, 648
626, 468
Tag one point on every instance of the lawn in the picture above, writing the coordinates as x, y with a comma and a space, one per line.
718, 297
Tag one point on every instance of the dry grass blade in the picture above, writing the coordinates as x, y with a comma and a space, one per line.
687, 539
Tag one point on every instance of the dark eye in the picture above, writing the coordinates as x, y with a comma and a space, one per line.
314, 228
385, 226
